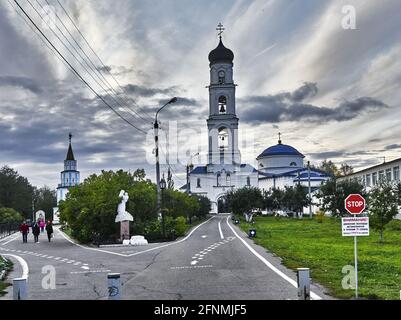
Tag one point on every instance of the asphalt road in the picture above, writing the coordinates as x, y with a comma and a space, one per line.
216, 261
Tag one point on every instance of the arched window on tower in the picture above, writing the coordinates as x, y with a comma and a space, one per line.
218, 179
198, 183
223, 138
222, 105
248, 181
228, 180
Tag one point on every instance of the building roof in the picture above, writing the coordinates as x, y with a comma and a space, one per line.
303, 174
373, 167
199, 170
70, 153
221, 54
244, 167
280, 150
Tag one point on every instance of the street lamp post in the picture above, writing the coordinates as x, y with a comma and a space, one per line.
309, 192
189, 169
163, 186
156, 133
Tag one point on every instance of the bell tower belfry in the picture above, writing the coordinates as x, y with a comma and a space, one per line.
222, 122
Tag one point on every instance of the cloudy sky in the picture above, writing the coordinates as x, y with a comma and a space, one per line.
334, 93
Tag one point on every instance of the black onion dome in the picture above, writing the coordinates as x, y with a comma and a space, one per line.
221, 54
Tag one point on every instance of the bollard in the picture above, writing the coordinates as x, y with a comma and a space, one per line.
20, 291
303, 283
114, 286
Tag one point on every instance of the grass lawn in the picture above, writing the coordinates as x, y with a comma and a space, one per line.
4, 265
321, 247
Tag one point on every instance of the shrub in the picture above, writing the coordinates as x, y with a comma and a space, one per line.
180, 226
394, 225
320, 216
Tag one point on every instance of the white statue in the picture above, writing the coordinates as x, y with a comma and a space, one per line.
123, 215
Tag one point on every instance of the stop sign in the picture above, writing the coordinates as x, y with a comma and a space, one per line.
355, 204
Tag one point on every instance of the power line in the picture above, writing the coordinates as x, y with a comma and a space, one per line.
100, 60
95, 69
73, 55
75, 72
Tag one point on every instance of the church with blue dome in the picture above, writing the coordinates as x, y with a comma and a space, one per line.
278, 166
282, 165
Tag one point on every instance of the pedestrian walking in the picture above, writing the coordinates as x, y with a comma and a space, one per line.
24, 229
36, 232
49, 230
42, 225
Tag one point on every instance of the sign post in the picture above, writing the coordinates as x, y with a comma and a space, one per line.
355, 204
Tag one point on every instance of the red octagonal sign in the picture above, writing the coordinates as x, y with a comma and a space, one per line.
355, 204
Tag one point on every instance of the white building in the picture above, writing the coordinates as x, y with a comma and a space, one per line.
70, 177
224, 170
369, 177
282, 165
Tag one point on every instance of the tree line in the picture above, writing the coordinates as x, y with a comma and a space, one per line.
18, 197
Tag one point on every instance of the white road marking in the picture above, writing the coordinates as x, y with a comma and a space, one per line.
194, 262
137, 253
14, 236
314, 296
90, 271
85, 267
204, 236
24, 265
7, 242
221, 232
191, 267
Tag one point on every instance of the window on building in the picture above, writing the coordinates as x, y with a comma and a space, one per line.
388, 174
293, 164
218, 179
261, 165
374, 178
222, 105
396, 173
368, 180
381, 175
223, 138
228, 180
248, 181
198, 183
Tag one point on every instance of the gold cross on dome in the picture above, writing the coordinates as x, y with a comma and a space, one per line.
220, 29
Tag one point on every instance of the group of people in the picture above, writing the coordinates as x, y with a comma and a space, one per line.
37, 228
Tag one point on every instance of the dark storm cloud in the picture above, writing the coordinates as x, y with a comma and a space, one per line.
20, 82
393, 147
142, 91
340, 154
290, 106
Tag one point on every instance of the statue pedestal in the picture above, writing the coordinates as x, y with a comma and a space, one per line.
124, 230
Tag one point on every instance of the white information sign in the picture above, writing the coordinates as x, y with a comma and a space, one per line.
355, 227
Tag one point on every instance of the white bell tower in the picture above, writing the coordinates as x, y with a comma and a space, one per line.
222, 122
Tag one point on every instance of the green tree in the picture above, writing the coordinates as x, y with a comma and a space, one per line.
329, 167
273, 199
295, 198
15, 191
245, 201
383, 202
333, 193
90, 208
9, 215
346, 169
46, 200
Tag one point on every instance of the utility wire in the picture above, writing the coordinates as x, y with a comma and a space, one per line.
75, 72
100, 60
94, 68
63, 43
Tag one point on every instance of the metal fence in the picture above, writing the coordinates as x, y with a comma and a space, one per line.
8, 228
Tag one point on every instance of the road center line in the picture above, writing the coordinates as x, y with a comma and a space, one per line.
24, 265
314, 296
221, 233
133, 254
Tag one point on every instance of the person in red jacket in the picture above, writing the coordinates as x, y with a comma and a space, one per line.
24, 229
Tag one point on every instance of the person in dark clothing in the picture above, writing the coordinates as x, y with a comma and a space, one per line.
24, 229
36, 231
49, 230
